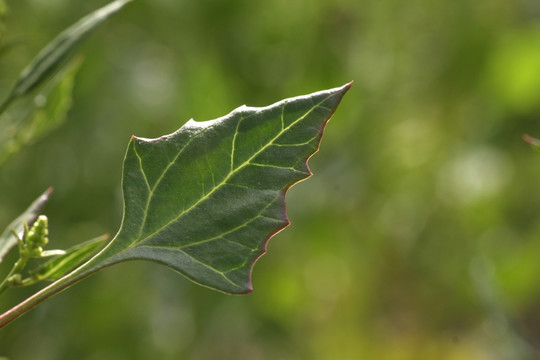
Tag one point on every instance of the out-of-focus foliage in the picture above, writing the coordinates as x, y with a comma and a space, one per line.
43, 89
36, 116
417, 238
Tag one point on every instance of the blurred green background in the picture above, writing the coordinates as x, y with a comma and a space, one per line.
417, 238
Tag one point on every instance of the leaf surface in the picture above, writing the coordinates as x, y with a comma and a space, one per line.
205, 199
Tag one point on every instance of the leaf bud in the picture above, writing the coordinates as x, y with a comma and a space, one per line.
15, 279
38, 234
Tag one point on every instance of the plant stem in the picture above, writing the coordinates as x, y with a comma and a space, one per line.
45, 293
16, 269
98, 262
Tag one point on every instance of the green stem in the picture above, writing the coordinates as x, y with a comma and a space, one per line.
36, 299
45, 293
16, 269
98, 262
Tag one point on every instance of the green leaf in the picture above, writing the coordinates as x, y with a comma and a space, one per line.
45, 86
53, 104
8, 240
60, 265
205, 199
37, 116
57, 53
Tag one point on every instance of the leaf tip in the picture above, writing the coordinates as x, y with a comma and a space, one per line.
248, 290
345, 87
341, 91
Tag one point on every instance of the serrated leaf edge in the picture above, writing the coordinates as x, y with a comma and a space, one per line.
136, 243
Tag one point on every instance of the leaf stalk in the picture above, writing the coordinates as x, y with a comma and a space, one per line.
47, 292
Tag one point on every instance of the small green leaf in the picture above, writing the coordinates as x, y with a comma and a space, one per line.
57, 53
205, 199
8, 240
60, 265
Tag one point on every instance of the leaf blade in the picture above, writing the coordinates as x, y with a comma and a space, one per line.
206, 199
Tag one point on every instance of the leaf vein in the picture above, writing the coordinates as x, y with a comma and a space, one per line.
238, 227
233, 145
173, 161
141, 166
234, 268
203, 264
276, 166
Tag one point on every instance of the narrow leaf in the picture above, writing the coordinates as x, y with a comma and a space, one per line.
8, 240
56, 54
62, 264
35, 117
53, 103
205, 199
